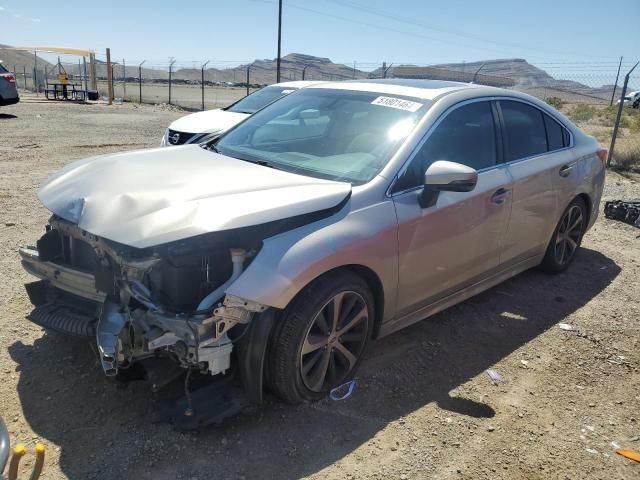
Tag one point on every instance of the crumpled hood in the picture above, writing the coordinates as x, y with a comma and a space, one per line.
149, 197
208, 121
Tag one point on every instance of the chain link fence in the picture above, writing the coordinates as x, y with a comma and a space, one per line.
589, 94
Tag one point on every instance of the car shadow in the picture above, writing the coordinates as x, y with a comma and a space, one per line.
107, 432
7, 116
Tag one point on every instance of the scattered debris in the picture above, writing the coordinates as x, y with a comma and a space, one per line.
592, 450
9, 224
628, 453
342, 392
627, 212
617, 360
494, 375
524, 363
566, 327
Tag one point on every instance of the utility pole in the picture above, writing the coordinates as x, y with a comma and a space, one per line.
140, 78
354, 69
615, 84
109, 76
279, 40
124, 79
202, 81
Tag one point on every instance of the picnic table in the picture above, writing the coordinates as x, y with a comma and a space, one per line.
74, 91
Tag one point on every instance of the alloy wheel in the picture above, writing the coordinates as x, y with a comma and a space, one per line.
569, 233
334, 342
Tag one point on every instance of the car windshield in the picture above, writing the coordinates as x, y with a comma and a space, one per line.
254, 102
336, 134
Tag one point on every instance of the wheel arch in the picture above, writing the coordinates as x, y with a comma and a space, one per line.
588, 204
372, 280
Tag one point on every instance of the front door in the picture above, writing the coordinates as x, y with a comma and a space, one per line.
456, 242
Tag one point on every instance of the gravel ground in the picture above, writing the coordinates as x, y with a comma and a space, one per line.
424, 406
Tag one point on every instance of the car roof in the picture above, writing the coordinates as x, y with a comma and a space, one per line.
297, 84
426, 89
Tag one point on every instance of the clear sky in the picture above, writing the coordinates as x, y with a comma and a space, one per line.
229, 32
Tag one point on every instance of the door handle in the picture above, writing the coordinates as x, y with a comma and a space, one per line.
499, 196
565, 170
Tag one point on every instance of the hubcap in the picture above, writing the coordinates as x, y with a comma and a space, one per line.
334, 341
569, 234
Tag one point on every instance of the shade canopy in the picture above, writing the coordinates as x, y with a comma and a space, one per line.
83, 52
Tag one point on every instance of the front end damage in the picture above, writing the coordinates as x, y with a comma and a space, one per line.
140, 304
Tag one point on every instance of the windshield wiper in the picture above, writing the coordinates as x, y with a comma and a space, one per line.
264, 163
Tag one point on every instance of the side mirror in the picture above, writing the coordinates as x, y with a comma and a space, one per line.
444, 176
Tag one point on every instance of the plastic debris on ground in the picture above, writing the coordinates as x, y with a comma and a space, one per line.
628, 453
494, 375
566, 327
342, 392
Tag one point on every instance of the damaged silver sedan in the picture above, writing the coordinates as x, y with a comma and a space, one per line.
341, 212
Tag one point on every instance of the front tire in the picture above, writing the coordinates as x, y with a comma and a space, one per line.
320, 338
566, 238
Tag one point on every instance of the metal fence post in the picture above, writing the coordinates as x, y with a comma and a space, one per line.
475, 75
24, 72
124, 80
304, 70
248, 68
35, 72
170, 72
140, 79
109, 76
615, 84
384, 75
615, 127
202, 82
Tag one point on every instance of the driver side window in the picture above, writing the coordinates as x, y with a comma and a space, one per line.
466, 136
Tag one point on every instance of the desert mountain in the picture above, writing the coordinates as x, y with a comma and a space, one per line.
20, 60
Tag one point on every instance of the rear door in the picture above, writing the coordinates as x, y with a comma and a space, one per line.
544, 173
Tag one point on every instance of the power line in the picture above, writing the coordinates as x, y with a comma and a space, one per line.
406, 20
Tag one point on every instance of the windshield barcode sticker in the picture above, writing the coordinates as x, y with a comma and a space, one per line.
398, 103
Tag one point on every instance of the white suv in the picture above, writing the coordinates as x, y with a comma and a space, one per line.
632, 99
202, 126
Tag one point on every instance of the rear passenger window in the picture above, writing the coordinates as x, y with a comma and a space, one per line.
524, 133
555, 134
466, 136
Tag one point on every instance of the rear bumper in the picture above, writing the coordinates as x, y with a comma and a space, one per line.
9, 101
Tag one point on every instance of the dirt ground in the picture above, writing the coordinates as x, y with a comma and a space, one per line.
424, 406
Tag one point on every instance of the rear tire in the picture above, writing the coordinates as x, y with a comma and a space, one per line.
566, 238
318, 342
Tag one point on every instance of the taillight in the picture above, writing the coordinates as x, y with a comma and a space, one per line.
9, 77
602, 153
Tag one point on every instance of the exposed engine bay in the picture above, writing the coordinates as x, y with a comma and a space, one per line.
141, 303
